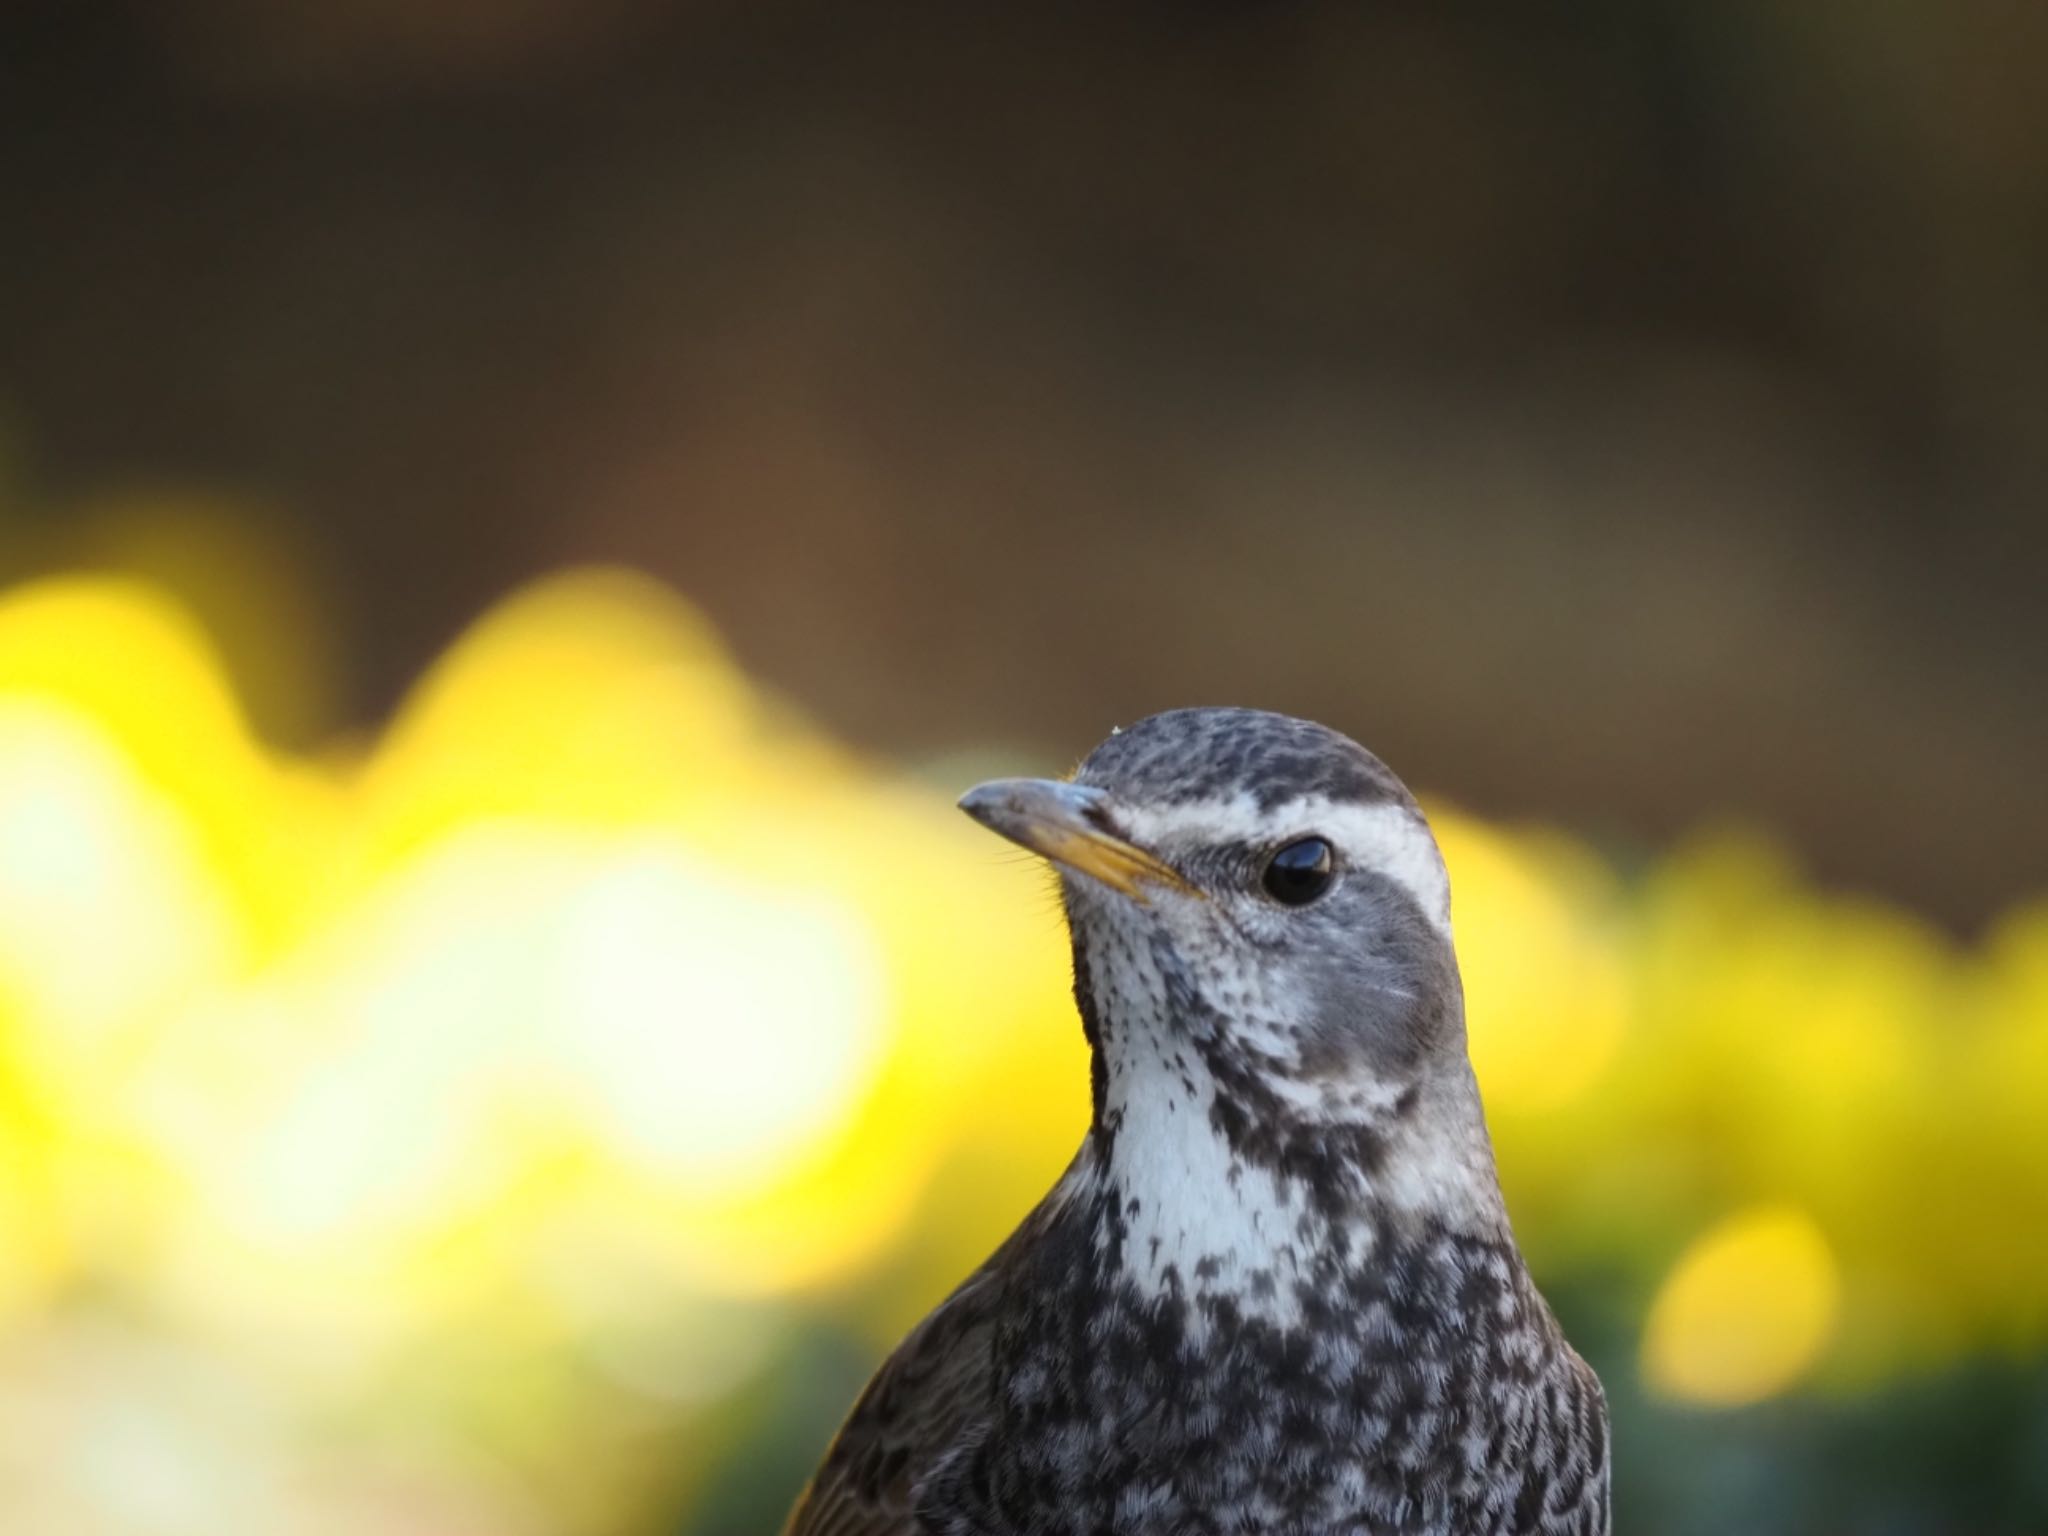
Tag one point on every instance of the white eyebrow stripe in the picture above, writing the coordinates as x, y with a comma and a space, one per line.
1389, 839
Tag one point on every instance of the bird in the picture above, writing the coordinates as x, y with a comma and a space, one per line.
1276, 1289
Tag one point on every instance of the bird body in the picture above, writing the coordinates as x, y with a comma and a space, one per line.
1276, 1290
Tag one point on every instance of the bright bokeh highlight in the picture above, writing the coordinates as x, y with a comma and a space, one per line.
1745, 1313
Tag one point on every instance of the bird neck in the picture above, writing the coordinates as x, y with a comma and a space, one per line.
1201, 1195
1217, 1172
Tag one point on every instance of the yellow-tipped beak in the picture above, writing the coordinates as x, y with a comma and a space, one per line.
1063, 822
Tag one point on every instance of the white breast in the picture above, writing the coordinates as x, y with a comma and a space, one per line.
1197, 1221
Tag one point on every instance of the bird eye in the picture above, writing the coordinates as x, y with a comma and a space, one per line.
1300, 872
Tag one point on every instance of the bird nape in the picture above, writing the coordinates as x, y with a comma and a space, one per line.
1276, 1289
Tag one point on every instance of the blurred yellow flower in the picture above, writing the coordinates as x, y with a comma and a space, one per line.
1746, 1311
1530, 916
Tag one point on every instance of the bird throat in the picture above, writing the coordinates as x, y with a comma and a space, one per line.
1216, 1177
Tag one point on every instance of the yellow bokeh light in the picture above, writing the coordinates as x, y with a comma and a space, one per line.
106, 902
1528, 938
723, 1022
1745, 1312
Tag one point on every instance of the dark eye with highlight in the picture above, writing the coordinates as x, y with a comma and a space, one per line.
1300, 872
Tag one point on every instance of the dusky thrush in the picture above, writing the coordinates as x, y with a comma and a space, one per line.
1276, 1290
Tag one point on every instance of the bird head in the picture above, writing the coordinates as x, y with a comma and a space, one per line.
1261, 925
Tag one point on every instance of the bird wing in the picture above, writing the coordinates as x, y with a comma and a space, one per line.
935, 1393
1564, 1489
925, 1396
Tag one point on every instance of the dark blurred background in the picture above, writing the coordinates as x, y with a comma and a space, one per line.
1632, 414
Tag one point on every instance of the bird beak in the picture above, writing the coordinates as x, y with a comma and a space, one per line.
1067, 823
